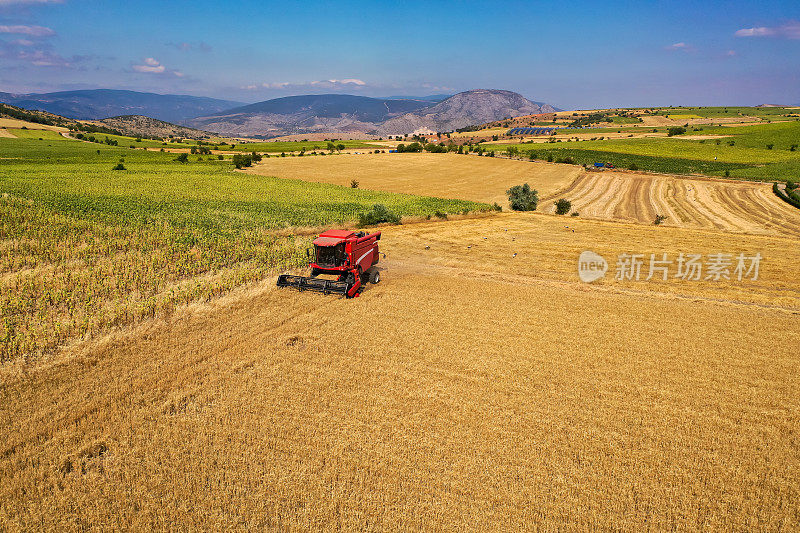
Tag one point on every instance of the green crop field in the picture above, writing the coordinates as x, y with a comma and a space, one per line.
762, 152
296, 146
126, 141
718, 112
87, 247
48, 135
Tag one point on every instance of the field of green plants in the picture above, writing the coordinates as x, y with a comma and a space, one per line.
719, 112
766, 151
296, 146
49, 135
86, 247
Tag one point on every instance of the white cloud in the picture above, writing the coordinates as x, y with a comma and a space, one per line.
34, 31
151, 65
346, 81
788, 30
22, 42
683, 47
731, 53
276, 85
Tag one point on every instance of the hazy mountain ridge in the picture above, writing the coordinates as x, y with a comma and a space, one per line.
98, 104
308, 114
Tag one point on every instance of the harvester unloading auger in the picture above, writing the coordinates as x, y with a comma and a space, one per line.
347, 255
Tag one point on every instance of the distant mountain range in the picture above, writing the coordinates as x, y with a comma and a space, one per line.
103, 103
336, 113
322, 113
466, 109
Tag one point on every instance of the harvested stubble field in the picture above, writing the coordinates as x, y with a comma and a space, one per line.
440, 175
739, 206
543, 402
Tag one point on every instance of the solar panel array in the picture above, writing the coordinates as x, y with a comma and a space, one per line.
530, 131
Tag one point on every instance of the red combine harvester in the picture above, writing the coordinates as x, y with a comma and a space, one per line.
347, 255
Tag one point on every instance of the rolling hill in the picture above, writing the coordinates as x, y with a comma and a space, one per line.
140, 125
102, 103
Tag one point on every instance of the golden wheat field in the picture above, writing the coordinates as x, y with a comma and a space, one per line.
471, 389
443, 175
740, 206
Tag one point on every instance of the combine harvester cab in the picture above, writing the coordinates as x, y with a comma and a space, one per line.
345, 255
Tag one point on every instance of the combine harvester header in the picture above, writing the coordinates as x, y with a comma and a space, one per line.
346, 257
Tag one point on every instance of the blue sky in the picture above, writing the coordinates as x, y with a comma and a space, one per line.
571, 54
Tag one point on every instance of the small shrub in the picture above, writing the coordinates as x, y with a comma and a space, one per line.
675, 130
182, 158
659, 219
769, 146
439, 214
497, 207
353, 184
575, 214
241, 161
563, 206
379, 215
119, 166
727, 173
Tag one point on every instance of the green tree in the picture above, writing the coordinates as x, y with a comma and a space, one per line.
523, 198
563, 206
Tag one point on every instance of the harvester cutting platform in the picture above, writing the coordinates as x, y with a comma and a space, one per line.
346, 255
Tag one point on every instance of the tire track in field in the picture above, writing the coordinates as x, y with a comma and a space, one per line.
742, 207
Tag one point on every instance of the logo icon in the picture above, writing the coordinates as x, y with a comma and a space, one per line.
591, 266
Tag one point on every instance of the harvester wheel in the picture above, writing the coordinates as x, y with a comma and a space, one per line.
375, 277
